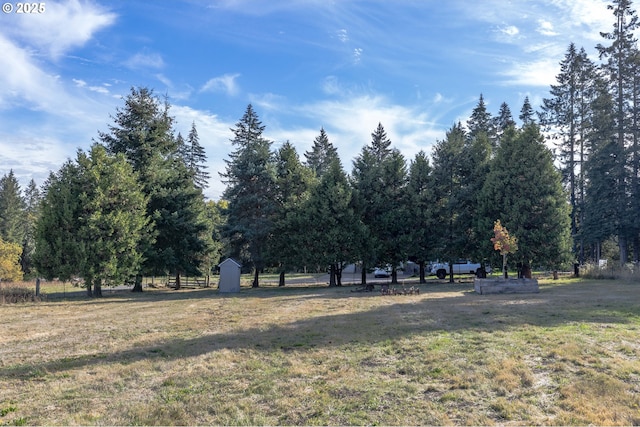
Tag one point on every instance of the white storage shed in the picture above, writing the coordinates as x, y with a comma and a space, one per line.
229, 276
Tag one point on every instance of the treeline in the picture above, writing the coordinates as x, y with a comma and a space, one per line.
290, 214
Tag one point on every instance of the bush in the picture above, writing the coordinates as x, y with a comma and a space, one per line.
611, 272
17, 294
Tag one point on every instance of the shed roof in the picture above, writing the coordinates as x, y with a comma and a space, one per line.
231, 260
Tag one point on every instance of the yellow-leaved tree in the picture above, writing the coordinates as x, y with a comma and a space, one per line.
504, 243
10, 269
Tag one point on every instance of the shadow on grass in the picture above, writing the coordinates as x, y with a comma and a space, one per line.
406, 316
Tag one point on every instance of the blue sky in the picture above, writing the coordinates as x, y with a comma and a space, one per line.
345, 65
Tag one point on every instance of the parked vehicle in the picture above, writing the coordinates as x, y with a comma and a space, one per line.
381, 272
441, 269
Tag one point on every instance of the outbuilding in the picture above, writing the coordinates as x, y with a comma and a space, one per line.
229, 276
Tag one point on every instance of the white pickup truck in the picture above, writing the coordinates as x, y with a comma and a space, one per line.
441, 269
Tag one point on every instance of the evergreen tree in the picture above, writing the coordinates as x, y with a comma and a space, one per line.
182, 241
322, 154
620, 68
503, 120
59, 249
600, 215
481, 122
447, 188
112, 219
12, 206
93, 216
250, 179
421, 221
524, 191
332, 233
143, 132
293, 183
460, 168
196, 158
568, 115
32, 203
379, 175
215, 213
526, 112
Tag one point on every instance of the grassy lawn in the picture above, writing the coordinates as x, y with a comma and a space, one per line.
321, 356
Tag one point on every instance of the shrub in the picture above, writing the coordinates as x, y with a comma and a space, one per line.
611, 272
17, 294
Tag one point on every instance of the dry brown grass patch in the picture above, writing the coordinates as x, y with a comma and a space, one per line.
298, 356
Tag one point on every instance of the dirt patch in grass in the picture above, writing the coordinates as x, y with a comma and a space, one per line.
292, 356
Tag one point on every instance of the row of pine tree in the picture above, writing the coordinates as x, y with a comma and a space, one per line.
133, 204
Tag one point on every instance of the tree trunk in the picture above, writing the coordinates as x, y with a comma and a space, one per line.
394, 276
177, 280
38, 287
281, 281
363, 275
97, 290
622, 244
450, 272
87, 284
422, 273
504, 266
256, 274
526, 271
338, 275
332, 275
137, 285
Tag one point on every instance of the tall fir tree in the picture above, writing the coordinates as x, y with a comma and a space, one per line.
12, 206
32, 204
524, 191
526, 112
250, 179
196, 159
322, 154
503, 120
600, 215
620, 68
447, 187
481, 121
59, 249
143, 133
378, 173
567, 114
93, 216
332, 232
292, 187
421, 200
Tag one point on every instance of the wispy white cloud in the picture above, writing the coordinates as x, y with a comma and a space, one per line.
546, 28
509, 30
25, 83
352, 121
64, 25
226, 83
357, 55
541, 72
98, 89
342, 35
